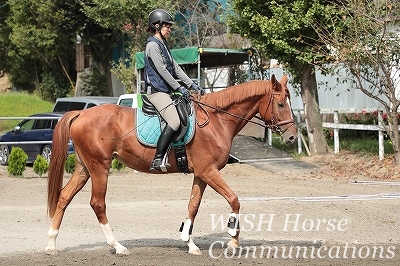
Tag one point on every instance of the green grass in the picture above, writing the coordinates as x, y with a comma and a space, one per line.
363, 145
22, 105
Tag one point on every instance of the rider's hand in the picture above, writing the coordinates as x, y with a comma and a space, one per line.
184, 92
199, 89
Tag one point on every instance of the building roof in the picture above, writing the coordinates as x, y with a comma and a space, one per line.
206, 57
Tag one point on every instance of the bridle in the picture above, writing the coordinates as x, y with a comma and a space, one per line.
274, 125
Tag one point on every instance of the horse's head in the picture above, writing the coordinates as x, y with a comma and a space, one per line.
276, 110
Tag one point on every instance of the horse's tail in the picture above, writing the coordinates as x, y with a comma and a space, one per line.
61, 136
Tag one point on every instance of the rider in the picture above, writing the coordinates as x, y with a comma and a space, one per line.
161, 71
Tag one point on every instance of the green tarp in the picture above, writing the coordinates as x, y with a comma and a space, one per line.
207, 57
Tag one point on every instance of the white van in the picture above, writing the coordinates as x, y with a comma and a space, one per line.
79, 103
129, 99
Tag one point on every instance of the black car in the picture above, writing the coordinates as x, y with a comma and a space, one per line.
39, 134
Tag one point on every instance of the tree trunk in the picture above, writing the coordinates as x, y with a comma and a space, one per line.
105, 69
109, 87
309, 94
393, 132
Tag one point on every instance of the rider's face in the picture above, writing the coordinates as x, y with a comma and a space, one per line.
166, 30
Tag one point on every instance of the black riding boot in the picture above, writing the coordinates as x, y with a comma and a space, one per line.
162, 146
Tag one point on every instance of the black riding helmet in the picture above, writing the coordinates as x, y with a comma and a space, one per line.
159, 16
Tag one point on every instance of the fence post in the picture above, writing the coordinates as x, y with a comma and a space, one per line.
336, 132
380, 136
299, 147
269, 131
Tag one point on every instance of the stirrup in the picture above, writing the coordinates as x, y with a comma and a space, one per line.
160, 164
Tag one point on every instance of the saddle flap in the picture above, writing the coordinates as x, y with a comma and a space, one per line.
147, 107
182, 107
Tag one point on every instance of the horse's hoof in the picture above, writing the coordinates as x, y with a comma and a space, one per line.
195, 251
123, 251
51, 251
233, 243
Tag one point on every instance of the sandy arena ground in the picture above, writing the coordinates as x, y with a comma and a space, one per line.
319, 210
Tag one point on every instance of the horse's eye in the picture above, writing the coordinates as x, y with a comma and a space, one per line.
281, 105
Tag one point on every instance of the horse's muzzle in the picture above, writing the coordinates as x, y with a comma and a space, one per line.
291, 139
290, 133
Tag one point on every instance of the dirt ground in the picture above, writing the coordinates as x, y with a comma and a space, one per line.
328, 210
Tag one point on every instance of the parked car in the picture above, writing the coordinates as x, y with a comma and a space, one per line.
29, 130
79, 103
129, 99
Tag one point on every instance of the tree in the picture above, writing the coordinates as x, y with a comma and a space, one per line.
283, 30
38, 44
104, 25
366, 43
43, 35
5, 63
203, 24
197, 22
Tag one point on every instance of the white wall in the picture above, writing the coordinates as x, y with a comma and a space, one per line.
332, 95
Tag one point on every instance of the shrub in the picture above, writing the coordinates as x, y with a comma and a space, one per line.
117, 165
17, 162
40, 165
70, 164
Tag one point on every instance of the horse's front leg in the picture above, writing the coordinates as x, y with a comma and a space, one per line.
215, 180
98, 204
198, 188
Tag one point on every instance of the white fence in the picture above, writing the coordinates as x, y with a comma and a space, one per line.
336, 126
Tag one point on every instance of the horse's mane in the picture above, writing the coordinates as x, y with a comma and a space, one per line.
237, 93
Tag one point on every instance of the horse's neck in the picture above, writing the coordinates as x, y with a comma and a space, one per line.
246, 110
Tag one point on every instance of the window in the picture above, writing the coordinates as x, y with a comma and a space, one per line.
41, 124
54, 123
126, 102
27, 125
68, 106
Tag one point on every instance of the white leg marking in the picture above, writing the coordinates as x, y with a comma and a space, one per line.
112, 241
233, 243
51, 246
193, 249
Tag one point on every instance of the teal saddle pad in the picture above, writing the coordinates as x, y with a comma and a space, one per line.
148, 128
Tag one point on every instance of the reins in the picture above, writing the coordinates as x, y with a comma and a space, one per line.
274, 126
225, 112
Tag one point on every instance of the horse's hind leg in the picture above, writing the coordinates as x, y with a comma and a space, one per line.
74, 185
97, 202
198, 188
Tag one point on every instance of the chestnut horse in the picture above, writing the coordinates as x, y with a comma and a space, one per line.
105, 132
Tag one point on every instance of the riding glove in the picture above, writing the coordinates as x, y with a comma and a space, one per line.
198, 89
184, 92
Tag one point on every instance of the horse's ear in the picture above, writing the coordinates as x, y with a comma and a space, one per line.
275, 84
273, 79
284, 80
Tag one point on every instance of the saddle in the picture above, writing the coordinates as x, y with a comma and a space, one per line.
150, 124
183, 106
